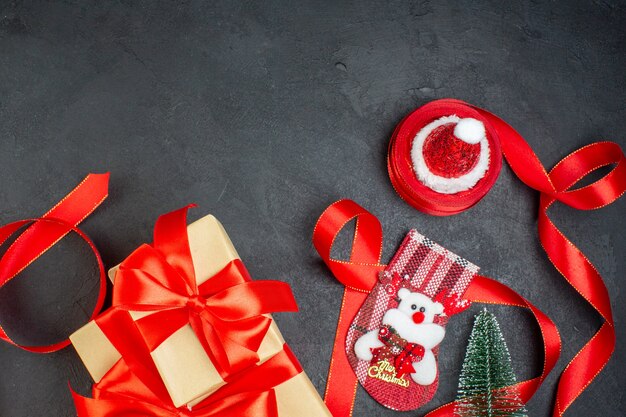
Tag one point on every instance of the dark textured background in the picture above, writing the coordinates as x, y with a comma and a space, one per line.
264, 115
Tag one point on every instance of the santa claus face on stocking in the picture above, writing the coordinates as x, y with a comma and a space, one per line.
394, 339
412, 321
419, 307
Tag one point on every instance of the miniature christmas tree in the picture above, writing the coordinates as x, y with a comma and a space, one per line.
486, 384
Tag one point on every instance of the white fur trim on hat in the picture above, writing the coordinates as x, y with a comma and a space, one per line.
469, 130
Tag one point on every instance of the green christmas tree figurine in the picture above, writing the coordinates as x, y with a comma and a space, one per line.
486, 384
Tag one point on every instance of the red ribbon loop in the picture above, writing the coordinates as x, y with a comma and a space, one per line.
359, 275
577, 165
341, 384
361, 272
45, 232
226, 312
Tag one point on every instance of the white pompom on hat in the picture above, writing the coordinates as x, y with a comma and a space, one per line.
470, 130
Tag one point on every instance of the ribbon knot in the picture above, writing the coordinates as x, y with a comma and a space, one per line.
197, 304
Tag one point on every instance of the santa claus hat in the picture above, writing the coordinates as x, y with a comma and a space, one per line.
451, 154
443, 158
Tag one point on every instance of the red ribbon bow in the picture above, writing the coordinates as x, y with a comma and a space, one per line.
225, 312
133, 387
399, 350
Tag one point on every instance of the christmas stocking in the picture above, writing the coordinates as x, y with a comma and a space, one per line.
393, 342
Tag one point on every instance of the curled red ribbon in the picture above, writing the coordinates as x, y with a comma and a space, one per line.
46, 231
133, 387
359, 275
226, 312
557, 185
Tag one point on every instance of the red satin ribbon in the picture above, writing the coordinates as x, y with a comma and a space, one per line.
226, 312
133, 387
557, 185
47, 230
360, 274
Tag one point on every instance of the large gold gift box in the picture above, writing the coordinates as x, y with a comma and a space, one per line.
184, 366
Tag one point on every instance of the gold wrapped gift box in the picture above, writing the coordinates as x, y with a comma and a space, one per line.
184, 366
